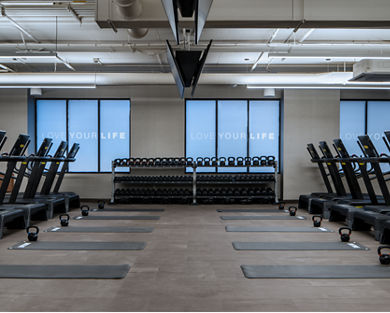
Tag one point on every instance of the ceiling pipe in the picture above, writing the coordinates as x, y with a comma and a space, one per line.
131, 9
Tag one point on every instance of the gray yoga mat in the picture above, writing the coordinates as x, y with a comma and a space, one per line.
127, 210
316, 271
252, 211
78, 245
102, 229
64, 271
116, 217
277, 229
264, 217
336, 245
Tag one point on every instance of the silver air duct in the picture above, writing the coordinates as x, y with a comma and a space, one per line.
130, 9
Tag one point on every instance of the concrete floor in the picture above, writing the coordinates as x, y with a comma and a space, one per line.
189, 264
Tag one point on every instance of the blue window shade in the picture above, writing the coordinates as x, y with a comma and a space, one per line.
114, 132
83, 129
51, 121
352, 124
232, 131
200, 130
378, 113
263, 131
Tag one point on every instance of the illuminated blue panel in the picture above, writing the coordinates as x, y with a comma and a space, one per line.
114, 132
51, 121
352, 124
200, 130
83, 129
264, 131
378, 113
232, 131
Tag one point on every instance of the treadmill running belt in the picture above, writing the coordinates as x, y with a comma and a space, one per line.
336, 245
116, 217
316, 271
277, 229
264, 217
102, 229
64, 271
78, 245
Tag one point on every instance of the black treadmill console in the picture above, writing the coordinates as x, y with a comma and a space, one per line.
20, 145
341, 150
61, 149
325, 150
3, 138
368, 146
45, 147
73, 151
313, 152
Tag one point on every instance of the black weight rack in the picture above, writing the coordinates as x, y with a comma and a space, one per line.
194, 187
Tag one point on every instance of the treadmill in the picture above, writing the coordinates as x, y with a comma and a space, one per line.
34, 211
305, 200
38, 164
72, 200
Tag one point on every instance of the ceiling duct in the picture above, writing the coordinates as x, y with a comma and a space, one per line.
132, 9
369, 70
186, 67
187, 9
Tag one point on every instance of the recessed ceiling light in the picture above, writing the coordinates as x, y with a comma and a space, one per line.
246, 59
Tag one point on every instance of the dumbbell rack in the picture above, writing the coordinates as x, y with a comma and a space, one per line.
195, 182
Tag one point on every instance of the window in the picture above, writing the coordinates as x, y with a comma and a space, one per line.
364, 117
101, 127
232, 128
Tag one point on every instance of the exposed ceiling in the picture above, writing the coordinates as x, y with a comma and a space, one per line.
74, 42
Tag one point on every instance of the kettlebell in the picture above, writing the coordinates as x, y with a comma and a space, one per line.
84, 210
317, 219
32, 236
384, 258
292, 210
281, 206
101, 205
345, 237
64, 219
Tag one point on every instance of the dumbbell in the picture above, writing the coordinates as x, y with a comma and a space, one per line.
231, 161
32, 236
101, 205
281, 205
345, 236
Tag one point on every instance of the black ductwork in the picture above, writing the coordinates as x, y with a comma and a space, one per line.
186, 67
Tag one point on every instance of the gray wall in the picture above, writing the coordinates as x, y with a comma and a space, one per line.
157, 126
309, 116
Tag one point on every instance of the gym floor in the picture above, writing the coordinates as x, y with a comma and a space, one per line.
189, 264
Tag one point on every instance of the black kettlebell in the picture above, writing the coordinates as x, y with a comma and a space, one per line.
317, 219
345, 236
84, 210
384, 258
101, 205
64, 219
32, 236
281, 206
292, 210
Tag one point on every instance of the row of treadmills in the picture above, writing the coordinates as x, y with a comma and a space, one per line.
361, 211
18, 209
